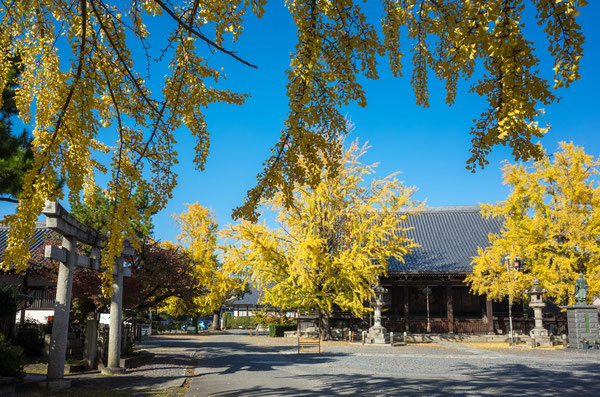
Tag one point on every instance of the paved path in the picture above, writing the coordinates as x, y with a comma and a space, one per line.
173, 355
237, 365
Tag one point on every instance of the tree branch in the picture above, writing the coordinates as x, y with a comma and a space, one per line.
196, 33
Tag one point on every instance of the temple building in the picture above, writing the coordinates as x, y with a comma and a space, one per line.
449, 238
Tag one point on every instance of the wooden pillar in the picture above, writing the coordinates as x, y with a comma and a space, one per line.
490, 316
62, 307
449, 308
406, 320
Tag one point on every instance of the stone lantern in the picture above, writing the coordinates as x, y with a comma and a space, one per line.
377, 333
539, 335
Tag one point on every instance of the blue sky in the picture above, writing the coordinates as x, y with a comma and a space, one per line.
430, 146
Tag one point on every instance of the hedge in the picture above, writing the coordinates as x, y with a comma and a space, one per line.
12, 360
278, 330
30, 337
237, 322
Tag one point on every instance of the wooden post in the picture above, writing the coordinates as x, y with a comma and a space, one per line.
116, 317
490, 316
406, 320
62, 307
450, 308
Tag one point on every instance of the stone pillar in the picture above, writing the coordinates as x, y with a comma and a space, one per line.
490, 315
406, 320
449, 308
116, 317
582, 321
90, 348
62, 306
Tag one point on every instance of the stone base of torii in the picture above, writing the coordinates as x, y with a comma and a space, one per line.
73, 231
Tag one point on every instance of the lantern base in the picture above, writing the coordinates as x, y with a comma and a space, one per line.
378, 335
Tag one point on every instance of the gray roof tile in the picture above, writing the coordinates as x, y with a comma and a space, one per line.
40, 236
448, 239
250, 298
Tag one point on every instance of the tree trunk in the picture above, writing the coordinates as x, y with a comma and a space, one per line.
216, 320
195, 320
324, 326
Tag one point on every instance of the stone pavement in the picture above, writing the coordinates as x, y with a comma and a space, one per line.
173, 355
238, 365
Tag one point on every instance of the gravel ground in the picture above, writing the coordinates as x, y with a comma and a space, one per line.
237, 365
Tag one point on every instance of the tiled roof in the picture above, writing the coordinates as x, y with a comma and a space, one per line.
249, 298
448, 239
40, 235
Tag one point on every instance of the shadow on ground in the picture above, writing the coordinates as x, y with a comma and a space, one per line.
498, 380
227, 358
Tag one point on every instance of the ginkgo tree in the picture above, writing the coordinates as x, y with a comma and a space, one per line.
92, 110
213, 287
551, 222
332, 245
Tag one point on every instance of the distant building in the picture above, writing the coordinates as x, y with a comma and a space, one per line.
246, 305
39, 287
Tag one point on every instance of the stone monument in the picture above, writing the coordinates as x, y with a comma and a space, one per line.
539, 335
377, 333
582, 319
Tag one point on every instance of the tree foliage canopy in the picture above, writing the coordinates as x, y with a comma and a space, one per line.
212, 286
79, 79
16, 156
552, 222
332, 244
159, 270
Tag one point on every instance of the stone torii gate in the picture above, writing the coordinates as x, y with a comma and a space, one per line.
73, 231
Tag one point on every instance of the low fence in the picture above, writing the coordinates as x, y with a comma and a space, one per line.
555, 323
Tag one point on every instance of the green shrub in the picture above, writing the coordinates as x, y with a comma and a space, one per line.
12, 360
237, 322
8, 309
30, 337
278, 330
226, 317
129, 349
171, 326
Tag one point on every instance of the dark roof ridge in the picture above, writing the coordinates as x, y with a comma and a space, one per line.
38, 225
450, 208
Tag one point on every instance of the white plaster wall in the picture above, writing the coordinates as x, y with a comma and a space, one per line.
40, 316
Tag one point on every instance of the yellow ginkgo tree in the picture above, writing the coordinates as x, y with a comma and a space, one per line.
551, 222
332, 244
213, 287
86, 88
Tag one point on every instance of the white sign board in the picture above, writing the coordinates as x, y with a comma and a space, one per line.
105, 318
